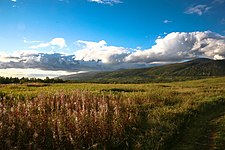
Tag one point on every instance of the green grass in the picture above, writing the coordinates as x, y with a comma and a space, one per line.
220, 132
199, 133
106, 116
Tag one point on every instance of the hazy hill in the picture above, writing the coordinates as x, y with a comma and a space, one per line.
198, 68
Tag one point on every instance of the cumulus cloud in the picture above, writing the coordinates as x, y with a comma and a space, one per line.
50, 61
60, 42
178, 46
174, 47
100, 51
34, 59
108, 2
98, 56
198, 9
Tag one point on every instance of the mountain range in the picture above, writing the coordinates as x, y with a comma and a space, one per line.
193, 69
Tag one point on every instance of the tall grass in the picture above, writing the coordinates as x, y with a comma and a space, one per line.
77, 120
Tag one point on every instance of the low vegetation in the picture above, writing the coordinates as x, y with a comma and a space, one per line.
104, 116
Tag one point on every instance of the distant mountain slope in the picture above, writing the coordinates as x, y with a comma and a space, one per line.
198, 68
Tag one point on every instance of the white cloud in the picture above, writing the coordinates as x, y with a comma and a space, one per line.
218, 57
174, 47
17, 56
198, 9
24, 53
60, 42
4, 58
108, 2
167, 21
100, 51
49, 61
13, 0
178, 46
35, 59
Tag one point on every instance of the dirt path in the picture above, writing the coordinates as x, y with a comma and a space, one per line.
207, 139
201, 132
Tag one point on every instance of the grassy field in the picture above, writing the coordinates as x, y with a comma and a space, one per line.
113, 116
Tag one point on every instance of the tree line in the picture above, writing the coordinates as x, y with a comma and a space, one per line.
9, 80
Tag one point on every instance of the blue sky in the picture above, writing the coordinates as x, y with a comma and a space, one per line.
127, 25
130, 24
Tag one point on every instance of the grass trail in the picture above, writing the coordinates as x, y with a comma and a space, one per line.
201, 132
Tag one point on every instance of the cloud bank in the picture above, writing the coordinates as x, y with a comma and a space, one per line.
98, 56
34, 59
33, 73
178, 46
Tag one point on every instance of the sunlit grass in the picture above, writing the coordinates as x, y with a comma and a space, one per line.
101, 116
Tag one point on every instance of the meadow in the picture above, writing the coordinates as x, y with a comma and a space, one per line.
113, 116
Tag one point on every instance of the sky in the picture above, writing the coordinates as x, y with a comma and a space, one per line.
60, 37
